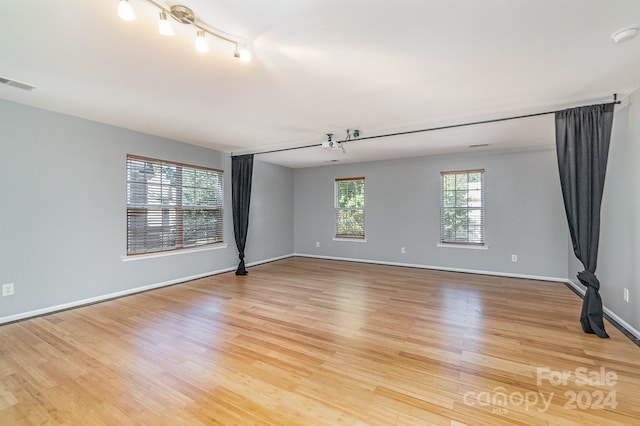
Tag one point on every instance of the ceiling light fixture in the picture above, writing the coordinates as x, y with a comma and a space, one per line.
625, 34
242, 53
201, 42
184, 15
164, 26
125, 11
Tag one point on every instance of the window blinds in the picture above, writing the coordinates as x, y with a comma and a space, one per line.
172, 206
462, 207
349, 207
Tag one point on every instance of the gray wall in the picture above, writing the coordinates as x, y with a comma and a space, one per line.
619, 251
524, 213
271, 215
63, 210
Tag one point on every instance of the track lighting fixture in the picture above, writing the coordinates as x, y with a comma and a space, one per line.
184, 15
164, 26
242, 53
201, 42
125, 11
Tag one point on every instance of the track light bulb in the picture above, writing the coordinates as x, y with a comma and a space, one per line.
245, 55
242, 53
125, 11
201, 42
164, 26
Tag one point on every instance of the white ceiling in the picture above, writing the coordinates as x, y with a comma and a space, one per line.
324, 66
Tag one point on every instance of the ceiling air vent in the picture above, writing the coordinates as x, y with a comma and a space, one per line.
18, 84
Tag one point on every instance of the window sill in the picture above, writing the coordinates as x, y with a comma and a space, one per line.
463, 246
173, 252
351, 240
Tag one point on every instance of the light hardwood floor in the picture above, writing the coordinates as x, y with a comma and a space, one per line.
308, 341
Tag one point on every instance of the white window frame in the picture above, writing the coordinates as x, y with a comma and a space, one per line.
172, 206
465, 201
342, 212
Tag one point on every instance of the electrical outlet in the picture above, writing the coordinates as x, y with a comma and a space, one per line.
7, 289
402, 250
317, 243
514, 257
626, 295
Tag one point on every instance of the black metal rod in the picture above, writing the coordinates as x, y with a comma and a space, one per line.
430, 129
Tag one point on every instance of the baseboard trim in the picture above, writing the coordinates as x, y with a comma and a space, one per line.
128, 292
624, 327
438, 268
273, 259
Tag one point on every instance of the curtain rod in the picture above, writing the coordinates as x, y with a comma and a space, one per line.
430, 129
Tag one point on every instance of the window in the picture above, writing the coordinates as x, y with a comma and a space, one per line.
349, 205
171, 206
462, 207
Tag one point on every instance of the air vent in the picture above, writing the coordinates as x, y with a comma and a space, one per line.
479, 145
18, 84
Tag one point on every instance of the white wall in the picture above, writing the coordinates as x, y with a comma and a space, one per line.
63, 211
619, 250
524, 213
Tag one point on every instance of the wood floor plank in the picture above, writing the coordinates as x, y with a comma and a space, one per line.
316, 342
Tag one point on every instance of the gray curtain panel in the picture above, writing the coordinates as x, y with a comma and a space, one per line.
582, 141
241, 174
